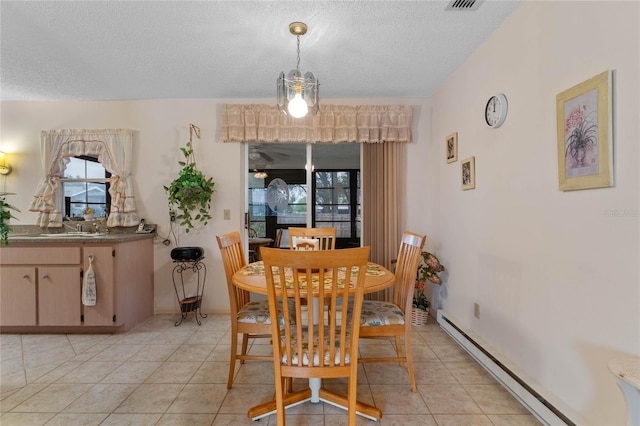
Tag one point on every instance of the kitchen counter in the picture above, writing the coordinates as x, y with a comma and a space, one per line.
33, 234
43, 274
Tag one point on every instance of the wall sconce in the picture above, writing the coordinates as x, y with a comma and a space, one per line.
5, 168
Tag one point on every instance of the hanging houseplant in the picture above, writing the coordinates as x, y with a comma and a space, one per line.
190, 193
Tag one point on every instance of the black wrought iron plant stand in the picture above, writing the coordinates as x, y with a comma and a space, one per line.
187, 258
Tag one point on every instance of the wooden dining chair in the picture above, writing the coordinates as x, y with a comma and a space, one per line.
382, 319
250, 318
278, 239
325, 347
312, 238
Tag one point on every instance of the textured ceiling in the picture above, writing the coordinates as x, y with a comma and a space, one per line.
107, 50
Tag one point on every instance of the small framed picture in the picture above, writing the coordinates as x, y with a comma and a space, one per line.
585, 136
452, 147
468, 173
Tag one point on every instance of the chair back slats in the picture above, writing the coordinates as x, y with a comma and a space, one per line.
278, 240
312, 238
317, 341
408, 259
246, 315
233, 259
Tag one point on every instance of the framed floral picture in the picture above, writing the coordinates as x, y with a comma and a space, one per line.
585, 137
468, 173
452, 147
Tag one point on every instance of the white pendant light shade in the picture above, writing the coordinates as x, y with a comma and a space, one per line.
297, 95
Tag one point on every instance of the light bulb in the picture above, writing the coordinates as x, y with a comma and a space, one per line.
298, 106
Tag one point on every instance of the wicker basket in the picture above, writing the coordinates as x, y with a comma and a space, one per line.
419, 317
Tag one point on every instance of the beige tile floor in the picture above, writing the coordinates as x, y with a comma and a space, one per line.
159, 374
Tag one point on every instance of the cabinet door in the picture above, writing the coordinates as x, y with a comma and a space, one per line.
18, 295
103, 311
59, 297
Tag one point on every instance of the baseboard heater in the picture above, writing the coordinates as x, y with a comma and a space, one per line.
542, 409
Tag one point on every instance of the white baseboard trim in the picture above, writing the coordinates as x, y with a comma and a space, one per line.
516, 384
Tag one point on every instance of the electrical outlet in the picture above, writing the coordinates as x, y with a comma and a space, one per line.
172, 215
227, 214
476, 310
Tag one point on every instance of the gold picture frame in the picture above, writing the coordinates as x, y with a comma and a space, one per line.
451, 147
468, 173
585, 136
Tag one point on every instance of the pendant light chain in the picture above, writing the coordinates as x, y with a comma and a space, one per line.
298, 51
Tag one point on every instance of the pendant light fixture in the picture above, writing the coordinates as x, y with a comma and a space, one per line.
298, 95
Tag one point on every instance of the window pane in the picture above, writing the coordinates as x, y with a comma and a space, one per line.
75, 190
94, 170
75, 168
323, 180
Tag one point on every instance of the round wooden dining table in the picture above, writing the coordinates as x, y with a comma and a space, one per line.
252, 278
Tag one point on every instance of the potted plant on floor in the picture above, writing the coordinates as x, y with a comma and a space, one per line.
428, 271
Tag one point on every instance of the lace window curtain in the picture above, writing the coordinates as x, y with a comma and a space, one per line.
112, 147
333, 123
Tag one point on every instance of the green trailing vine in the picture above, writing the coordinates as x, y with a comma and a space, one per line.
190, 193
5, 216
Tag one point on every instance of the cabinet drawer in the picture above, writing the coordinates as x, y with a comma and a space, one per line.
49, 255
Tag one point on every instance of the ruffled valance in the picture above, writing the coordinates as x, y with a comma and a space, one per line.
333, 123
112, 147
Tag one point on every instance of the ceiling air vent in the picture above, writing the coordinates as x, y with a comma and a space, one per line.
464, 4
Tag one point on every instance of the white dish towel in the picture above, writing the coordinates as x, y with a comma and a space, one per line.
89, 285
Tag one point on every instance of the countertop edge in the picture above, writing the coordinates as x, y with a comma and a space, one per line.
111, 238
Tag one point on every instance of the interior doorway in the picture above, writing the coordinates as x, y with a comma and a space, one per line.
307, 185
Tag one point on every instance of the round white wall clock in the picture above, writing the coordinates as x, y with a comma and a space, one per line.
495, 112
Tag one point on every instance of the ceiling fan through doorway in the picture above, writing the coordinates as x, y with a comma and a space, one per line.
258, 152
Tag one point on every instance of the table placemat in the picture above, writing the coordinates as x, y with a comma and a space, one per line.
257, 269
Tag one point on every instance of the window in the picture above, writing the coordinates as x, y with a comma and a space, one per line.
337, 203
85, 184
265, 221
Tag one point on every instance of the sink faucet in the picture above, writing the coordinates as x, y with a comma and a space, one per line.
100, 227
67, 227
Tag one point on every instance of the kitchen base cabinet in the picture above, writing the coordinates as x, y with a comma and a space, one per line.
59, 301
104, 311
41, 286
18, 295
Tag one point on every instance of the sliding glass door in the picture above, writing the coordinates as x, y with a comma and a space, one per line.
284, 180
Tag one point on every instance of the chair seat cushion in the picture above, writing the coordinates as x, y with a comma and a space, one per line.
316, 355
376, 312
255, 312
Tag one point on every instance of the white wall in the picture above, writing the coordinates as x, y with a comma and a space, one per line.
556, 277
161, 129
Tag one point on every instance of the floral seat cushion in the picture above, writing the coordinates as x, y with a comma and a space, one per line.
316, 355
376, 312
255, 312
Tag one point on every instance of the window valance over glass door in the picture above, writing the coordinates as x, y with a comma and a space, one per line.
112, 148
333, 123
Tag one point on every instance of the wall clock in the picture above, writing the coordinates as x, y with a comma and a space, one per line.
495, 112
